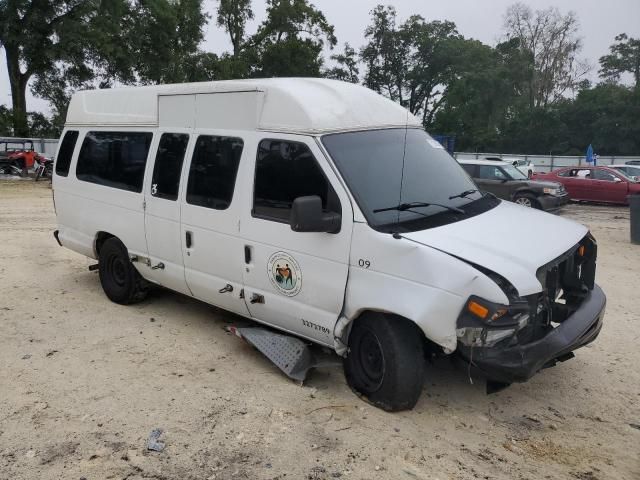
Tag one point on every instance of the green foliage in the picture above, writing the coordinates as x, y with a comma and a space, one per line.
346, 68
233, 16
624, 58
64, 45
6, 122
289, 42
412, 64
40, 126
524, 95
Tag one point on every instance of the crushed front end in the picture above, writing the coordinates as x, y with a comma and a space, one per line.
510, 343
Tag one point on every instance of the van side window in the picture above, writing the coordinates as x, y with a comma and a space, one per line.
168, 165
63, 160
212, 174
114, 159
287, 170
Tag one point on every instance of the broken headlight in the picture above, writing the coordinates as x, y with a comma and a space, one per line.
483, 324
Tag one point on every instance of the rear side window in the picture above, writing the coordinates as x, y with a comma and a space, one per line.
114, 159
285, 171
168, 165
603, 175
213, 170
489, 172
65, 152
470, 169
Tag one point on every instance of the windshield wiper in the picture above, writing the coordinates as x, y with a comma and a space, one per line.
464, 194
408, 206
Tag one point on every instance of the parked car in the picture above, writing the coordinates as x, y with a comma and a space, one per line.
525, 166
631, 171
509, 183
594, 184
324, 210
632, 162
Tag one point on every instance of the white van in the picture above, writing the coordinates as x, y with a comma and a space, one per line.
324, 210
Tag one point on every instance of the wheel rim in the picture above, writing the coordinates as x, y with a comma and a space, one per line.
524, 201
371, 360
117, 270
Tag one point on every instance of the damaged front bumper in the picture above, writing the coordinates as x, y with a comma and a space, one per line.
508, 363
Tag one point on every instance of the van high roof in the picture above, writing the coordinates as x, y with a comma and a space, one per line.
294, 105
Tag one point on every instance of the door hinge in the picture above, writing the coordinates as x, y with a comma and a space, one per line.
144, 204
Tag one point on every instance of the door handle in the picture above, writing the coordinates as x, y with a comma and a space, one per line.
227, 288
247, 254
188, 239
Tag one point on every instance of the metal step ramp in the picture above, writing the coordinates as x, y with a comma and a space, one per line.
292, 355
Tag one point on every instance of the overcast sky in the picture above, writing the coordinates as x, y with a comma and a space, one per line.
600, 22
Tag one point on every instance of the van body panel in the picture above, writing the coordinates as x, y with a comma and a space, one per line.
162, 226
84, 209
176, 111
293, 105
481, 240
215, 257
422, 284
321, 260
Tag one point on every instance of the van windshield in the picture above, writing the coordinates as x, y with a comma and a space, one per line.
400, 167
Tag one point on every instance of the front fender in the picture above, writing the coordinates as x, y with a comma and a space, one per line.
414, 281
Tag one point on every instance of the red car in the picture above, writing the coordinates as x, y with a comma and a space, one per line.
594, 184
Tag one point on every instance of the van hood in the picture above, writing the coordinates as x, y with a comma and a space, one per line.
510, 240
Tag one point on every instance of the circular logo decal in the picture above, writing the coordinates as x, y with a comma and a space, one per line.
285, 274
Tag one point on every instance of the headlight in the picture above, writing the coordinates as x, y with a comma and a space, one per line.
483, 324
551, 191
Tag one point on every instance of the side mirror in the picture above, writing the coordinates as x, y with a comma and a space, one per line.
307, 216
617, 180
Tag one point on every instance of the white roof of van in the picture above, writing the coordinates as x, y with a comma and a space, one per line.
297, 105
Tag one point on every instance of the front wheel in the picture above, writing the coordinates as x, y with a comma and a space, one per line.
526, 201
385, 363
120, 280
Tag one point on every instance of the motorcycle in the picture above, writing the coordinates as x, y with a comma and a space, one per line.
44, 168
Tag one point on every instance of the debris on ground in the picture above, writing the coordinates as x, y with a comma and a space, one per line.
153, 443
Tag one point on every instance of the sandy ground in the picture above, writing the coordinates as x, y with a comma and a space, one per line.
83, 382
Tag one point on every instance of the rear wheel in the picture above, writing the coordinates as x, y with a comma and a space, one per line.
120, 280
385, 363
527, 200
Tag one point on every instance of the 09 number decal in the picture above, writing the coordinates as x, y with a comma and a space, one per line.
364, 263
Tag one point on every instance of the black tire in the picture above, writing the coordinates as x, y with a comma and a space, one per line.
120, 280
527, 200
386, 363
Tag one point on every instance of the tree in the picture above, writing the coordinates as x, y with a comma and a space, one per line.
624, 57
412, 64
165, 36
347, 66
290, 40
551, 40
68, 44
32, 34
485, 95
233, 16
6, 122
